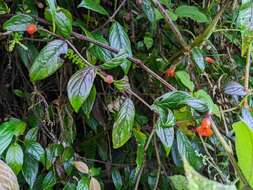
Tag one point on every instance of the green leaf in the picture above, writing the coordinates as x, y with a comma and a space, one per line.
52, 9
185, 79
6, 135
172, 100
179, 182
198, 105
122, 128
89, 102
83, 184
141, 141
35, 150
32, 134
186, 150
116, 178
70, 186
79, 86
198, 182
148, 41
166, 136
245, 23
94, 6
18, 23
198, 58
118, 39
244, 149
116, 61
27, 56
63, 21
49, 181
30, 169
149, 10
100, 53
3, 8
48, 61
191, 12
202, 95
14, 157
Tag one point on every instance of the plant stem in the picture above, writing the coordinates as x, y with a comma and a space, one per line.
173, 27
247, 70
229, 152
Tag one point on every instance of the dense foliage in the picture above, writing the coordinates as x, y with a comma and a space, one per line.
125, 94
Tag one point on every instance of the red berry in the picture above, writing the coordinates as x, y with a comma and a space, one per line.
31, 29
170, 72
109, 79
209, 60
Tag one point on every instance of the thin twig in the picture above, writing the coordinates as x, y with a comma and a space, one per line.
158, 163
144, 159
230, 154
173, 27
247, 71
111, 17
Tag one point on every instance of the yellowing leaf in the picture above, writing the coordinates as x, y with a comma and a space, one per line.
81, 167
94, 184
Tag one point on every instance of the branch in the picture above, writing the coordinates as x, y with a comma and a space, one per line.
230, 154
172, 26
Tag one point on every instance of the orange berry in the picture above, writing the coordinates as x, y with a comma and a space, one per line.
109, 79
205, 123
31, 29
204, 131
170, 72
209, 60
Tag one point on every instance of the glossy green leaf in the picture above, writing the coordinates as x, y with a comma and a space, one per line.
63, 21
49, 181
83, 184
198, 59
79, 87
52, 9
141, 141
166, 136
212, 107
149, 10
191, 12
198, 182
185, 79
30, 169
244, 149
32, 134
197, 105
3, 7
89, 102
48, 61
8, 180
172, 100
120, 58
186, 150
100, 53
116, 178
35, 150
18, 23
122, 128
6, 135
118, 39
93, 5
14, 157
